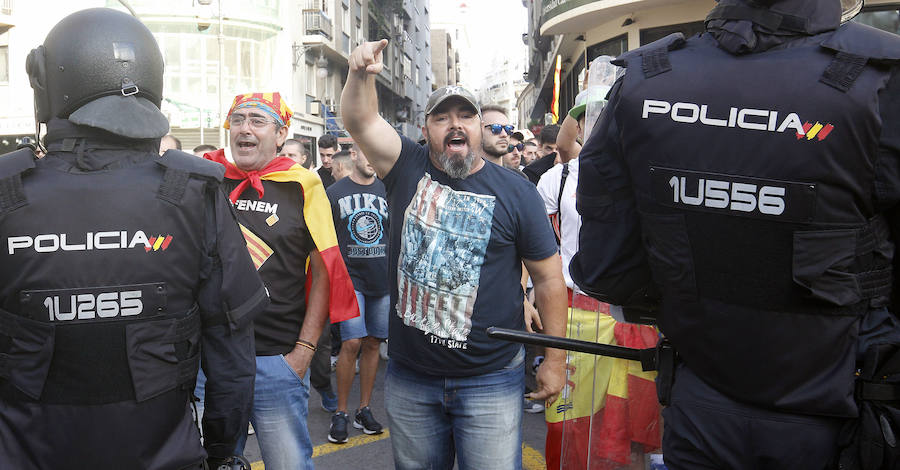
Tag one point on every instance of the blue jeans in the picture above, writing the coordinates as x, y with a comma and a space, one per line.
372, 320
280, 400
477, 419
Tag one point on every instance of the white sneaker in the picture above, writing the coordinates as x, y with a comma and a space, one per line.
533, 407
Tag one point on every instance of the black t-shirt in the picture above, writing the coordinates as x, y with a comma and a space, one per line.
279, 243
539, 167
360, 215
455, 262
325, 176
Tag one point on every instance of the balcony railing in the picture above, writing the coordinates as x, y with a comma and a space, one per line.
317, 23
6, 7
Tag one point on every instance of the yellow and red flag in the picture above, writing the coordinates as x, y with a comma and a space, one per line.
554, 106
608, 403
316, 213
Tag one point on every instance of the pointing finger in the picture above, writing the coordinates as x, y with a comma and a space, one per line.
379, 46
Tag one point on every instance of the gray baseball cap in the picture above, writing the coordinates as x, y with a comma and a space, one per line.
451, 91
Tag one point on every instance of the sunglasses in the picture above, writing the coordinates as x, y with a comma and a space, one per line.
518, 147
496, 129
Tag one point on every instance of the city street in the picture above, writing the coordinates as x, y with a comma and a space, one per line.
374, 452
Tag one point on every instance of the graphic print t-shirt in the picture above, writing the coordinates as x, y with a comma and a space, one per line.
455, 262
279, 243
360, 215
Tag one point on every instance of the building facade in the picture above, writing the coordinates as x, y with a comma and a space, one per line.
502, 86
578, 31
215, 49
444, 58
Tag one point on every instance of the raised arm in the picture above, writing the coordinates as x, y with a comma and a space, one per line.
359, 108
566, 141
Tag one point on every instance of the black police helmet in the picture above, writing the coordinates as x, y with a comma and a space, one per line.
100, 68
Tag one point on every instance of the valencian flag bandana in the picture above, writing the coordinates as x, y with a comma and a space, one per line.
316, 213
269, 103
608, 408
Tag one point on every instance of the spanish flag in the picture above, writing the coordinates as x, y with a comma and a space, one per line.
316, 212
608, 408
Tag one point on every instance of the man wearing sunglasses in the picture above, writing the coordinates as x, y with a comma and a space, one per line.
513, 158
495, 133
461, 227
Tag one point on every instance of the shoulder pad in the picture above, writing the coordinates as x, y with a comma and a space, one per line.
670, 43
16, 162
865, 41
182, 161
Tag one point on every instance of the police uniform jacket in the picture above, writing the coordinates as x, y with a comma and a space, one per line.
755, 187
119, 270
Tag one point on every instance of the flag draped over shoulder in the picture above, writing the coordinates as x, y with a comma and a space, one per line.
608, 404
316, 213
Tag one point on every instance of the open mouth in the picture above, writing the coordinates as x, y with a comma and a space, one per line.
246, 146
456, 144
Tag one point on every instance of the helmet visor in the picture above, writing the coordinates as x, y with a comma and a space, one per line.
849, 9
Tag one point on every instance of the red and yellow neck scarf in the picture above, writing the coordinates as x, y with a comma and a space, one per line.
316, 213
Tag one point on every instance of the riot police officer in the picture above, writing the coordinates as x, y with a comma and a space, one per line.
745, 183
117, 266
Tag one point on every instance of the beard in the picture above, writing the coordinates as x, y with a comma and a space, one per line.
457, 166
492, 150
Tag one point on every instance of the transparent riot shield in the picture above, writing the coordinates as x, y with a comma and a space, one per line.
601, 77
607, 416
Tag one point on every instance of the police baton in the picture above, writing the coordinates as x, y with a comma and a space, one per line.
649, 358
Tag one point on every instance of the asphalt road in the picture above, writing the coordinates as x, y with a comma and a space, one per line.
374, 452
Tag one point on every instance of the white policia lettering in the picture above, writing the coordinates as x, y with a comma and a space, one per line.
87, 306
51, 242
742, 197
748, 118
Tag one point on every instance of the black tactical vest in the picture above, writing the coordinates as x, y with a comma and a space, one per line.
755, 179
99, 331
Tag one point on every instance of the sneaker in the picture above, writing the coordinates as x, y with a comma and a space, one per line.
329, 401
533, 406
337, 433
365, 421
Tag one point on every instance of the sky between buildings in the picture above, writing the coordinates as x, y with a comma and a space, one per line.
494, 31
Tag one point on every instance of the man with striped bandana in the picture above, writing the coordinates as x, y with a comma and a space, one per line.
286, 220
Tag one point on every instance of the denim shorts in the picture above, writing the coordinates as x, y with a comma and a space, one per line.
475, 420
372, 320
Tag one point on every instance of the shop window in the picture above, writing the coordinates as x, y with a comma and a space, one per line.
883, 18
688, 29
611, 47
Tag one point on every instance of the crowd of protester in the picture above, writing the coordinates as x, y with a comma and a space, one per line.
360, 211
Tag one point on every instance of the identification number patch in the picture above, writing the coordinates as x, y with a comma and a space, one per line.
733, 194
107, 303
